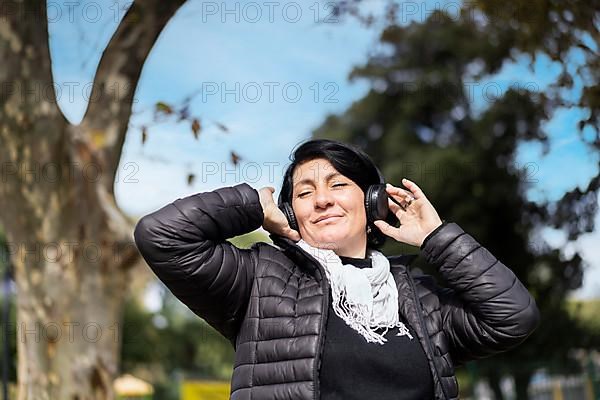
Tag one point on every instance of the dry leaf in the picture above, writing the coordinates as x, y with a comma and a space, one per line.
196, 127
235, 158
163, 108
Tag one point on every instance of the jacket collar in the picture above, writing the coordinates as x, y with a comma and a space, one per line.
299, 256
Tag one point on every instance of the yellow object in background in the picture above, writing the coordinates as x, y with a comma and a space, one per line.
130, 387
204, 390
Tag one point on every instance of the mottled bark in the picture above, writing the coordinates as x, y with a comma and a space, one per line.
71, 246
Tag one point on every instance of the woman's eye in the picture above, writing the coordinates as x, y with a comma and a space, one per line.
334, 185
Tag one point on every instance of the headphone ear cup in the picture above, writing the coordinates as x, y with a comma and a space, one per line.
287, 210
376, 203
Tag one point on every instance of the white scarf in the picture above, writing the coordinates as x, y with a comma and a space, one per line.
353, 291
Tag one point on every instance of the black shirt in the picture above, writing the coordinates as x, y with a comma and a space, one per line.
354, 369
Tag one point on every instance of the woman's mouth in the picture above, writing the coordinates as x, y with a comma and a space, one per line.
328, 219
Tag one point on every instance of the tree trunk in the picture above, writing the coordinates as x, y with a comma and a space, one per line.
71, 247
68, 319
71, 261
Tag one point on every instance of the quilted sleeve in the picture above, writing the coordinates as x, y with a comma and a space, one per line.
485, 308
184, 244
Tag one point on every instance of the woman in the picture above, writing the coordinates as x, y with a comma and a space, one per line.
322, 313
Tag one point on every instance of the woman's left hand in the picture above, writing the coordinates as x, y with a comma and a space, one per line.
417, 218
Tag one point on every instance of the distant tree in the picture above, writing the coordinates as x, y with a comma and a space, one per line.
418, 121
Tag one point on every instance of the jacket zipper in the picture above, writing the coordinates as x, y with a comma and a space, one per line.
424, 328
321, 337
325, 305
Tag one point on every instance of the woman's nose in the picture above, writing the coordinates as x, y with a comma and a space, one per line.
323, 198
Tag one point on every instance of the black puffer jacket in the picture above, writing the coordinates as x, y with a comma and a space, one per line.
271, 302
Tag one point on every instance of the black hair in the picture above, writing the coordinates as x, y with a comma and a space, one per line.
349, 160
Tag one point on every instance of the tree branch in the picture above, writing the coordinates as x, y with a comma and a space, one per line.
106, 120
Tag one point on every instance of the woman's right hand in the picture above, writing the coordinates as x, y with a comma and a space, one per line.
275, 221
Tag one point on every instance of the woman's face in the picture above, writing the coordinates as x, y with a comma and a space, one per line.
319, 190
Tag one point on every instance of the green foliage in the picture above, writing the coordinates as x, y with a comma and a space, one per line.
420, 121
174, 342
247, 240
9, 328
11, 336
173, 339
565, 31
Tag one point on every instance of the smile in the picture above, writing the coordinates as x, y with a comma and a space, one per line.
329, 219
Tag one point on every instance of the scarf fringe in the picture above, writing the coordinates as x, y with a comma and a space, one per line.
354, 315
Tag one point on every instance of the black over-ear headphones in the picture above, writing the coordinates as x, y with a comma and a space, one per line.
376, 204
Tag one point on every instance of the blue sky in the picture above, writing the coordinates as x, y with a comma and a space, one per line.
306, 64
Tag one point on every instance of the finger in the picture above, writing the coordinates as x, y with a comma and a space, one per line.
399, 194
292, 234
396, 190
416, 190
395, 207
384, 227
